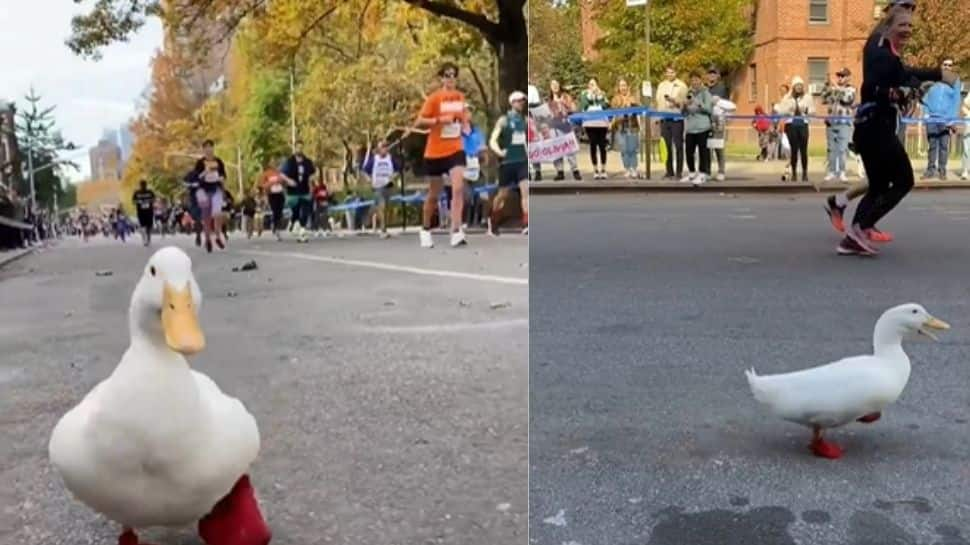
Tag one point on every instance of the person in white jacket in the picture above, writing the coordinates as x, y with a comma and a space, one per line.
798, 103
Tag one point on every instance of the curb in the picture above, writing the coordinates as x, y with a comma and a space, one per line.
561, 188
6, 259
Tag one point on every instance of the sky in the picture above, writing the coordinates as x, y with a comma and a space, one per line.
90, 96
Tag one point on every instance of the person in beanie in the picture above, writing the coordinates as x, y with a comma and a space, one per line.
508, 141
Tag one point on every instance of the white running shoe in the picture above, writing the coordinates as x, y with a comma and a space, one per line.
688, 178
700, 179
458, 239
720, 176
425, 236
830, 176
965, 175
843, 178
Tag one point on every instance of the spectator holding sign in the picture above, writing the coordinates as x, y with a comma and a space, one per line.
594, 100
560, 106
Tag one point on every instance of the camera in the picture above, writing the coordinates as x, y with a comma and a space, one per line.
690, 96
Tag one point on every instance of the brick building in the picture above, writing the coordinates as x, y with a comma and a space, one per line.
10, 173
808, 38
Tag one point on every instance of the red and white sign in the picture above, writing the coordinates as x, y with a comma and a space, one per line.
550, 149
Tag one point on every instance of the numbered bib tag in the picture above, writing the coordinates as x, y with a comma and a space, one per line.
212, 176
471, 162
518, 138
451, 131
595, 108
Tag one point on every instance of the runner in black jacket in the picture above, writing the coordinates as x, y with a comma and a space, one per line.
885, 87
835, 205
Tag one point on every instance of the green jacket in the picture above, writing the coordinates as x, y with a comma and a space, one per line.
698, 111
585, 101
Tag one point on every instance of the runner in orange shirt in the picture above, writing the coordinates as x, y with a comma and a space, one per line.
446, 115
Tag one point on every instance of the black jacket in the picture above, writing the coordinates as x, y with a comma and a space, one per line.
883, 71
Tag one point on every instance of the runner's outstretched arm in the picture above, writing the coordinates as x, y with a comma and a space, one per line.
493, 143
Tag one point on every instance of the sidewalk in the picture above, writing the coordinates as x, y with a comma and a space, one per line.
742, 175
9, 256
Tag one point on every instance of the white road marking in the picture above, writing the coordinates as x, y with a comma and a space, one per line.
743, 217
445, 328
558, 520
391, 267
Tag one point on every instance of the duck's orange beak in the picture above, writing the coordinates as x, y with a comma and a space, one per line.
180, 321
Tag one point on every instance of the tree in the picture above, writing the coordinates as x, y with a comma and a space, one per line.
501, 23
556, 43
687, 33
40, 142
940, 33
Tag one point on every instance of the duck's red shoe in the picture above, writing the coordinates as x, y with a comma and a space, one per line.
869, 418
236, 519
824, 449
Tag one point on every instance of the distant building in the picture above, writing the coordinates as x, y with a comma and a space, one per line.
106, 161
10, 172
126, 140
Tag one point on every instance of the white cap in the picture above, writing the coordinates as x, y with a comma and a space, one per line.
516, 95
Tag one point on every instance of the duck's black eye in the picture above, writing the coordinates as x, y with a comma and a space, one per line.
152, 270
915, 311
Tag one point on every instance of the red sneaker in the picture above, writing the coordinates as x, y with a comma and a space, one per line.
236, 519
876, 235
835, 213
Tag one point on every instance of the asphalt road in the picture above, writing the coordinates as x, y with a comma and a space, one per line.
646, 309
392, 402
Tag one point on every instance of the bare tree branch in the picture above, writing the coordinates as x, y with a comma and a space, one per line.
488, 27
480, 85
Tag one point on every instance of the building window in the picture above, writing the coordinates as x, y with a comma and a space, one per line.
754, 82
818, 74
818, 11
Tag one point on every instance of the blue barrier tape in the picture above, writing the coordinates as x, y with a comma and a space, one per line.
351, 206
610, 114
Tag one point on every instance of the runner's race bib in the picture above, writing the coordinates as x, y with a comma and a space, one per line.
472, 168
451, 131
518, 138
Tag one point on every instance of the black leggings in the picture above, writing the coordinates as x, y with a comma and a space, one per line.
698, 142
276, 202
798, 138
597, 141
888, 169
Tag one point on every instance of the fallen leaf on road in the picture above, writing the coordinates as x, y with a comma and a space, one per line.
104, 273
464, 304
503, 304
250, 266
232, 294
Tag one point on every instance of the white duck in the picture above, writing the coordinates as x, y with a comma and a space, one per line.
157, 443
851, 389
